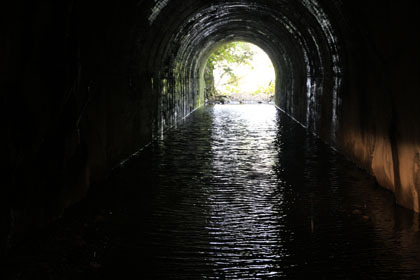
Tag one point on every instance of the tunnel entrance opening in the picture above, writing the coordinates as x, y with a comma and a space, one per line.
239, 72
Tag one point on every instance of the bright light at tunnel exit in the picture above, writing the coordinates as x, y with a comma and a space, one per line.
255, 79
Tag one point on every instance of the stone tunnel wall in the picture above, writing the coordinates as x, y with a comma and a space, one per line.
83, 87
380, 116
85, 84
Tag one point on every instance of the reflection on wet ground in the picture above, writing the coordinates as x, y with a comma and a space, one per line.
235, 191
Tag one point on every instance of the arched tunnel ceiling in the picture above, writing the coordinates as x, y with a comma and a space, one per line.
298, 36
319, 49
290, 26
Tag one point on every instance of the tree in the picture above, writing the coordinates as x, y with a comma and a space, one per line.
227, 57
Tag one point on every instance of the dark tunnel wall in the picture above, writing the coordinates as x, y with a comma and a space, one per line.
85, 84
380, 127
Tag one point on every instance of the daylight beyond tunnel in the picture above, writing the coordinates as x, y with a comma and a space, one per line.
239, 72
86, 84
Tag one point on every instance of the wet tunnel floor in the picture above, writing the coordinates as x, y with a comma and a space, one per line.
235, 191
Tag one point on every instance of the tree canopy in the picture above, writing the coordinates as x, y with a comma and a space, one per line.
230, 56
225, 62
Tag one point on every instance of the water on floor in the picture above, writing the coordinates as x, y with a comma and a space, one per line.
238, 192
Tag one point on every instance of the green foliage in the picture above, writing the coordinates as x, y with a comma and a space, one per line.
230, 56
267, 89
226, 60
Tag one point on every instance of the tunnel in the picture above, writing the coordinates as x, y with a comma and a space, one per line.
87, 85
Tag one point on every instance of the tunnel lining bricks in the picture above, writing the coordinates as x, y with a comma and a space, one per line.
324, 75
